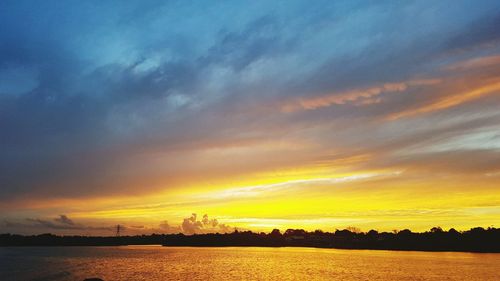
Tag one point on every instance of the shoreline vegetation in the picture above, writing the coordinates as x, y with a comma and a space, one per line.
474, 240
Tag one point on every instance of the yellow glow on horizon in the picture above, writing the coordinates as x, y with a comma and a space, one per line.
324, 195
369, 200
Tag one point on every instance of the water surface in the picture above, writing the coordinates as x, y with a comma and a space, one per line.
252, 263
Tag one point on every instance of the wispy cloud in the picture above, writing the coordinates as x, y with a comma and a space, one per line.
260, 190
474, 63
357, 96
450, 101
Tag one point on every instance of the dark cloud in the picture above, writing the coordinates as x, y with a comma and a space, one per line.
480, 32
52, 225
64, 220
63, 224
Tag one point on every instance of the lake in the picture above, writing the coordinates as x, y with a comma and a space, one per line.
231, 263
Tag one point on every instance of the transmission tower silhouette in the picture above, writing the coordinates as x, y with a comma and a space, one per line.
118, 229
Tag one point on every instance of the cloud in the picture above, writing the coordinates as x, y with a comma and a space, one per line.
51, 225
64, 220
264, 190
450, 101
474, 63
64, 225
60, 223
168, 229
357, 96
478, 33
479, 162
193, 226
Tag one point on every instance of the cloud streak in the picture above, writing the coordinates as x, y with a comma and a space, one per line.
357, 97
451, 101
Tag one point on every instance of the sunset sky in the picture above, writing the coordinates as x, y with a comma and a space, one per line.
259, 114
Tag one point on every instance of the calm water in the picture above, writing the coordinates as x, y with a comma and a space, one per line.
185, 263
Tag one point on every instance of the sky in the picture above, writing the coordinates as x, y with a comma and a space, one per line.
210, 116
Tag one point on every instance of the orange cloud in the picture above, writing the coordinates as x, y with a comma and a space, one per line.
358, 96
475, 63
449, 101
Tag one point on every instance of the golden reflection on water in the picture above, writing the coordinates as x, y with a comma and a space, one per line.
252, 263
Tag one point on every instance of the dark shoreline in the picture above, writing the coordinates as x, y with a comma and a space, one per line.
218, 246
475, 240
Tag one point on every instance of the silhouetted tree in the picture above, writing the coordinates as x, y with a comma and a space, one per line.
476, 239
275, 232
436, 229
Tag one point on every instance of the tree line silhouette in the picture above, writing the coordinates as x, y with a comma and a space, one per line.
474, 240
